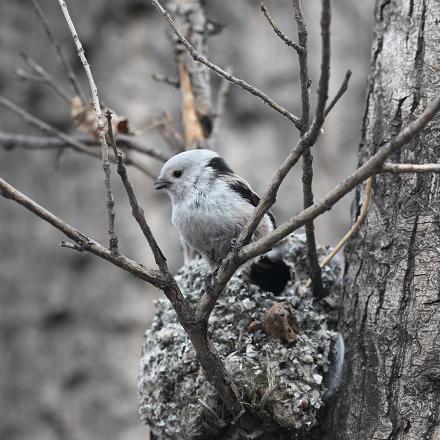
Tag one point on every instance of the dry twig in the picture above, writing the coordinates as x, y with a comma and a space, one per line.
59, 51
137, 211
81, 144
370, 167
341, 91
307, 177
44, 76
153, 277
45, 127
354, 228
173, 82
223, 73
398, 168
113, 238
280, 33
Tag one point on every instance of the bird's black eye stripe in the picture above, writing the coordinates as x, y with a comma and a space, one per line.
220, 167
177, 173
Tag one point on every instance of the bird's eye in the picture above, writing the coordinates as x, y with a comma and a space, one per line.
177, 173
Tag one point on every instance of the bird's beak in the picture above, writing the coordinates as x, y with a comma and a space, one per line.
160, 184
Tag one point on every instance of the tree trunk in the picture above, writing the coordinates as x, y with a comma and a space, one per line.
391, 307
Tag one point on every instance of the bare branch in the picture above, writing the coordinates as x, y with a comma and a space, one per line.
132, 143
129, 160
398, 168
80, 144
173, 82
341, 91
303, 65
169, 132
324, 78
307, 178
370, 167
46, 77
137, 211
60, 54
113, 238
269, 197
27, 76
354, 228
219, 71
278, 31
151, 276
45, 127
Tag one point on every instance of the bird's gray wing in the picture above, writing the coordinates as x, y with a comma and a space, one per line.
240, 186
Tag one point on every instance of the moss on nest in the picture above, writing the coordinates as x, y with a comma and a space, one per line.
283, 384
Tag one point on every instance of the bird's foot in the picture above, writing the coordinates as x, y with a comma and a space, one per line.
209, 281
234, 247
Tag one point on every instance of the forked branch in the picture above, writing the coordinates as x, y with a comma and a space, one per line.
223, 73
113, 238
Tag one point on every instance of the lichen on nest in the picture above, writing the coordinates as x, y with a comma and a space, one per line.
282, 383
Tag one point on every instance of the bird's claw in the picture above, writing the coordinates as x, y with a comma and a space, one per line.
209, 281
233, 246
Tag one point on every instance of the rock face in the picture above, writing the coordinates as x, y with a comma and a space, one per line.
283, 383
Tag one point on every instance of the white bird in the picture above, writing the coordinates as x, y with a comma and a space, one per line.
211, 204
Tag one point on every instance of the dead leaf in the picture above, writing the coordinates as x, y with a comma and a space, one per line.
84, 118
280, 322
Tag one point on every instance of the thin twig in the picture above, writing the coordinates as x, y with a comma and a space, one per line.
169, 132
144, 169
59, 51
174, 82
354, 228
136, 210
153, 277
370, 167
280, 33
307, 177
45, 127
398, 168
219, 71
81, 144
113, 238
270, 195
26, 76
324, 78
9, 141
46, 77
341, 91
132, 143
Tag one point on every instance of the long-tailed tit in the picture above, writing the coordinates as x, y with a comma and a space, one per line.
211, 204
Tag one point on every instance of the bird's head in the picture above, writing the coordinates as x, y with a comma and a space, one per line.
190, 170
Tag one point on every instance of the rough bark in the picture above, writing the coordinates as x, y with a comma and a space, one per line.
391, 314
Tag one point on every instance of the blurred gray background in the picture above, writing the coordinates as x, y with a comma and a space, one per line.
71, 325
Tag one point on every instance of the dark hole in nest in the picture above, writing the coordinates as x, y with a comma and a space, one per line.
270, 274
